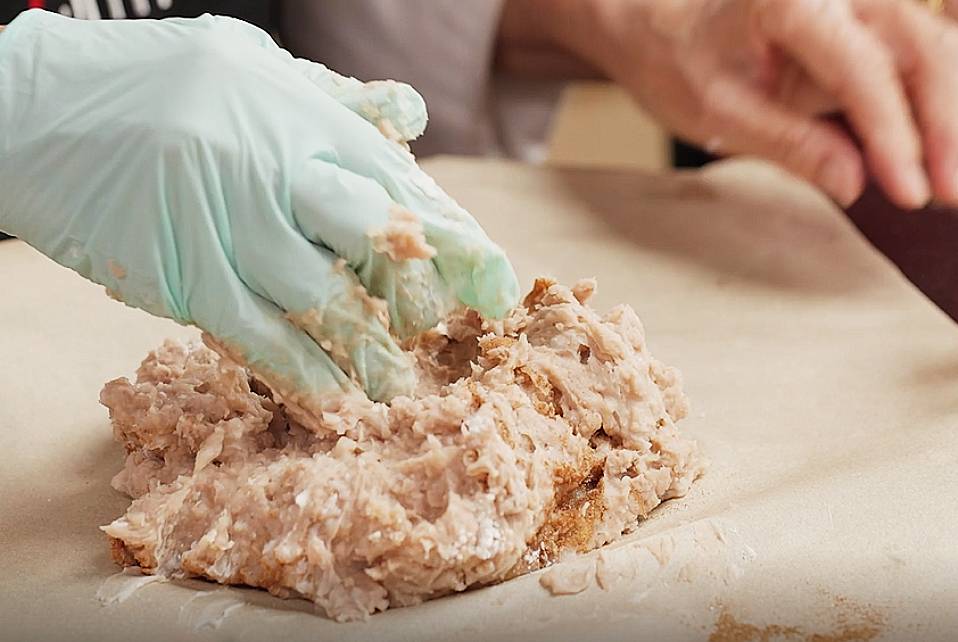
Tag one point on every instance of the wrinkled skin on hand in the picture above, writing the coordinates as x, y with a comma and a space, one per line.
201, 173
759, 76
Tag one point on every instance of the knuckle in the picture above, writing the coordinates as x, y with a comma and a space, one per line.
769, 16
799, 148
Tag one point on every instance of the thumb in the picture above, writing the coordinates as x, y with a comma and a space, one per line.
741, 120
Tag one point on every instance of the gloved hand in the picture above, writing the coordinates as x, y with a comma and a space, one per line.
757, 76
201, 173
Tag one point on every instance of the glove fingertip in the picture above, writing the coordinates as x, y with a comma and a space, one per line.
496, 286
484, 281
398, 110
386, 375
412, 109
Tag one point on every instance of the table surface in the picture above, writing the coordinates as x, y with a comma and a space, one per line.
823, 391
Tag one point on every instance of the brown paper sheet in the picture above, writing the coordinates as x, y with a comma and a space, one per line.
824, 390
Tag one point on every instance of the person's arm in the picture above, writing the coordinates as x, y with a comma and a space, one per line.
528, 44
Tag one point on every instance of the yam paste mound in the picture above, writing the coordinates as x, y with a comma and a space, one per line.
547, 433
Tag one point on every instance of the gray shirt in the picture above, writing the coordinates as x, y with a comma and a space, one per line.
444, 48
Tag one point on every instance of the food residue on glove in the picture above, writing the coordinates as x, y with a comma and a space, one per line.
402, 238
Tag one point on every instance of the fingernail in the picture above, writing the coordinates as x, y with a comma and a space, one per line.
917, 189
839, 179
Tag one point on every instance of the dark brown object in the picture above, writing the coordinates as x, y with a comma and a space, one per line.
924, 245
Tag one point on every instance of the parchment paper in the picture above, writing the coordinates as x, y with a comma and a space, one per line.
824, 390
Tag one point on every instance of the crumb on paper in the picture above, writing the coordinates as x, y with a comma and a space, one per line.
661, 549
120, 587
519, 449
568, 579
608, 571
208, 610
605, 572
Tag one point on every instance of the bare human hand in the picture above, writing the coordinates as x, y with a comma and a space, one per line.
762, 77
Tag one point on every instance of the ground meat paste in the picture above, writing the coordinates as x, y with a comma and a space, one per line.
550, 432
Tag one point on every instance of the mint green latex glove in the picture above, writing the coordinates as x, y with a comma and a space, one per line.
201, 173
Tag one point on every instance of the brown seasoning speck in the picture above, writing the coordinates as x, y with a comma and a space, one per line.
854, 623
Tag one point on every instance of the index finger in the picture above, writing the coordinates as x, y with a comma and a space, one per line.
475, 269
852, 64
